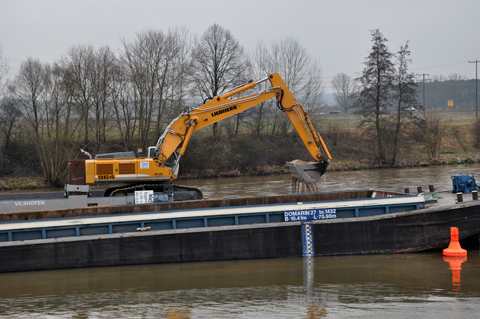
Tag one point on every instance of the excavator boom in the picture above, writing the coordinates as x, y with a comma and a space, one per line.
178, 133
161, 165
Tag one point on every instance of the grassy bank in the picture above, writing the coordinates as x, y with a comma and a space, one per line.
13, 183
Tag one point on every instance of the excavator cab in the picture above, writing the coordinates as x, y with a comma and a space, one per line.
152, 152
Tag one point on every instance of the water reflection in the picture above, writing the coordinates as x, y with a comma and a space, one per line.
455, 264
286, 288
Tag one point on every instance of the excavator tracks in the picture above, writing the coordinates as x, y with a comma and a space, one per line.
180, 192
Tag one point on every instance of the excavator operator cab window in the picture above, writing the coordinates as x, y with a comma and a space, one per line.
151, 152
171, 160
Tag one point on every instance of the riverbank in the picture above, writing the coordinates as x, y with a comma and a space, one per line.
38, 182
22, 183
350, 165
227, 155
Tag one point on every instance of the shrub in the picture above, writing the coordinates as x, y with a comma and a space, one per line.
476, 132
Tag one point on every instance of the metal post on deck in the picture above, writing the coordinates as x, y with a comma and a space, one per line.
307, 239
475, 195
459, 197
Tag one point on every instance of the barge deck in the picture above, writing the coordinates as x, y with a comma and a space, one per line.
343, 223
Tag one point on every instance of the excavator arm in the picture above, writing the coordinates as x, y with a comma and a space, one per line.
301, 122
176, 137
161, 164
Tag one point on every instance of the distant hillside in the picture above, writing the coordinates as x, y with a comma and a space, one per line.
440, 93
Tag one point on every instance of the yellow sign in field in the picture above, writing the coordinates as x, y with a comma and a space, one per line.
450, 102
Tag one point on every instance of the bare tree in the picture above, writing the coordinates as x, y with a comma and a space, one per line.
301, 73
259, 59
457, 77
178, 75
140, 69
166, 75
103, 73
345, 90
148, 61
218, 63
7, 117
42, 98
433, 131
122, 97
78, 67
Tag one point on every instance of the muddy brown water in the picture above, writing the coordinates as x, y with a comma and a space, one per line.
420, 285
384, 179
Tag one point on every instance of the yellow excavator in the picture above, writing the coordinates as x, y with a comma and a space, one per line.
156, 170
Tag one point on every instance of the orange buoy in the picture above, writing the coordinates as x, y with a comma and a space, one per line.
454, 249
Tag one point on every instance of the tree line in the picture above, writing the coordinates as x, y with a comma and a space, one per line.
455, 88
101, 100
89, 95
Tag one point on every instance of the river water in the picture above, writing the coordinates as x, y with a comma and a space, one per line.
420, 285
379, 179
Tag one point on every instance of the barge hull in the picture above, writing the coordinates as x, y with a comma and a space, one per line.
388, 233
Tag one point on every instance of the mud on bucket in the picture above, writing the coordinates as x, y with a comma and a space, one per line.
307, 171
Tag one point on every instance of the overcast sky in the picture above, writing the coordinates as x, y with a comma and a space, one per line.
444, 34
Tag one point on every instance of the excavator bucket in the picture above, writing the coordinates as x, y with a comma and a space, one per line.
307, 172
